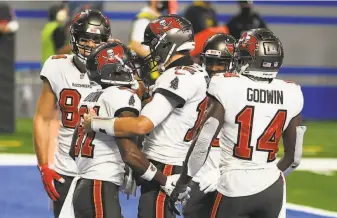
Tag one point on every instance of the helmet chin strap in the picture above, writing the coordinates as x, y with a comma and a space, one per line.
134, 85
83, 59
161, 67
243, 68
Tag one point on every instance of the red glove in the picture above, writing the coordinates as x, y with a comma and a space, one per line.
48, 176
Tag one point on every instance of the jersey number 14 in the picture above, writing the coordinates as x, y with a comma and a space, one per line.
267, 142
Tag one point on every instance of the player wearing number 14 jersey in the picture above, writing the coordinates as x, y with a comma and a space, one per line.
252, 111
65, 82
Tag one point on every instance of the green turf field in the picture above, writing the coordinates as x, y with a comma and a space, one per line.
314, 190
21, 141
305, 188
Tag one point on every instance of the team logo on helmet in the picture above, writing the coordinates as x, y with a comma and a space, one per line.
163, 25
109, 55
230, 48
249, 43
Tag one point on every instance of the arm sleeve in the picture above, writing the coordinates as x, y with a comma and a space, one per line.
59, 38
167, 105
200, 151
138, 30
177, 87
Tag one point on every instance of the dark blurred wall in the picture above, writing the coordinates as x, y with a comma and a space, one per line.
7, 74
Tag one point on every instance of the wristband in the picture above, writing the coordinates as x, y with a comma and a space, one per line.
104, 125
150, 172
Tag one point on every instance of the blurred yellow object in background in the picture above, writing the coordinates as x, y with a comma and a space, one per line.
155, 75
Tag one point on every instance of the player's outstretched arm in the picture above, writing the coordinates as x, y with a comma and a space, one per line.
152, 115
45, 113
293, 143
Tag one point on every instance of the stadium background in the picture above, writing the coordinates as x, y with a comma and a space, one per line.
308, 31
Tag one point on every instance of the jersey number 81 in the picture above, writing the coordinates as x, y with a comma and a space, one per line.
69, 101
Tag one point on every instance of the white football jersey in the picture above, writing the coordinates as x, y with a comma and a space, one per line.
98, 155
69, 86
256, 114
168, 143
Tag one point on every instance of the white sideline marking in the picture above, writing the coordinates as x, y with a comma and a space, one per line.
311, 210
18, 160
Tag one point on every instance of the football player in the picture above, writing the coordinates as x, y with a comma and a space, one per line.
216, 57
100, 157
172, 118
218, 54
64, 83
252, 111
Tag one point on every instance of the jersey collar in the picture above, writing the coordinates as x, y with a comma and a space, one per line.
183, 61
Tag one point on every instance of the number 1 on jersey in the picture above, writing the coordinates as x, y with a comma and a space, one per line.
84, 140
267, 142
195, 129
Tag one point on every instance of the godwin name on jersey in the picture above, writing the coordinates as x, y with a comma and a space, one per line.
256, 114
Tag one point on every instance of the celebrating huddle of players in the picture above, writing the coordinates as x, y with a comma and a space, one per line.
211, 132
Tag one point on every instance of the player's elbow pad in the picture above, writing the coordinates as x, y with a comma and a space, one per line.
300, 130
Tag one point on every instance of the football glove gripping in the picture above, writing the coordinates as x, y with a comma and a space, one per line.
129, 186
48, 176
181, 194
